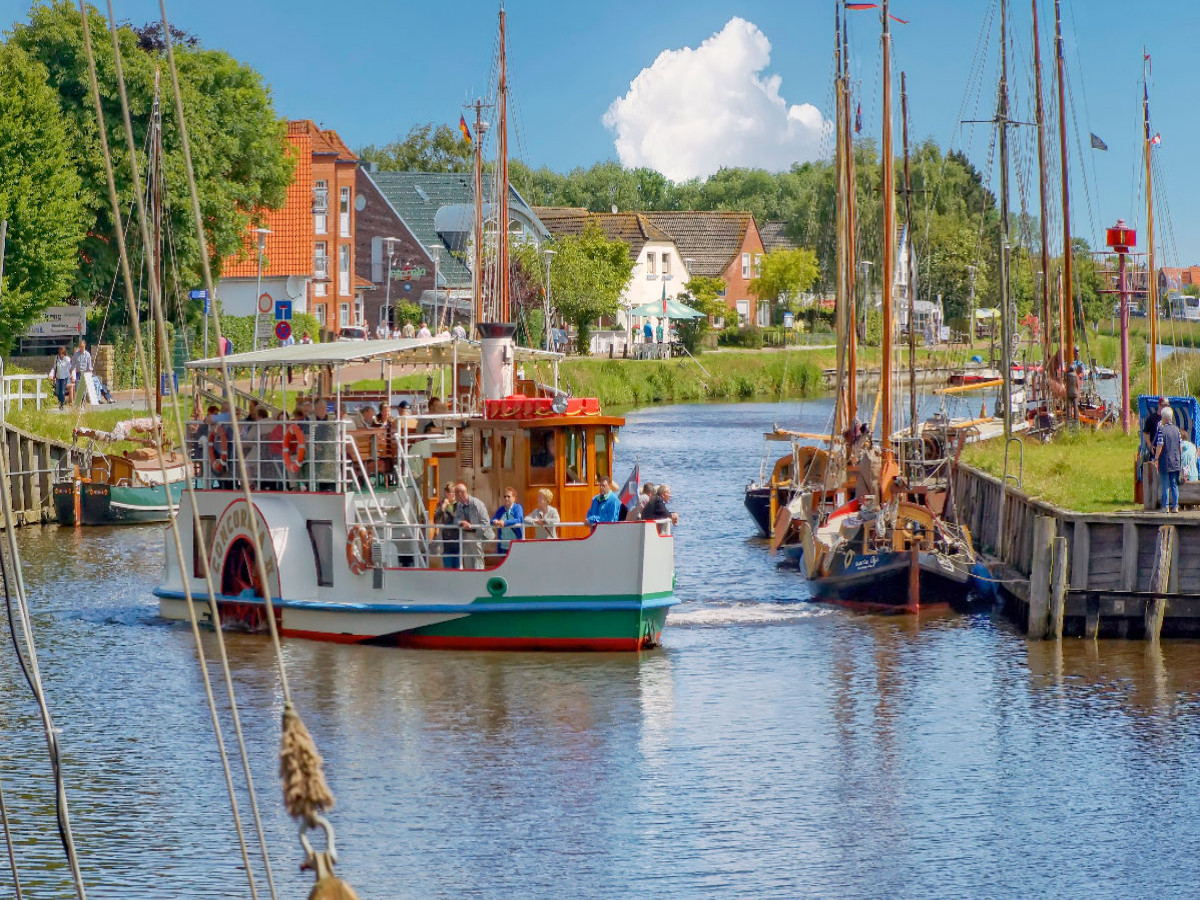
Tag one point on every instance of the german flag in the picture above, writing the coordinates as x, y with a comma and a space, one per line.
462, 126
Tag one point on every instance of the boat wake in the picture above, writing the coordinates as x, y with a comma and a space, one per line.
717, 615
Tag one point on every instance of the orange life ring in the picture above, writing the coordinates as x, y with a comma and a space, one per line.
219, 457
293, 449
359, 555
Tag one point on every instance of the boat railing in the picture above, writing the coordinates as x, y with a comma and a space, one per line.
418, 545
280, 455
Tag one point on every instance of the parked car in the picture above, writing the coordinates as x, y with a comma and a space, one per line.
352, 333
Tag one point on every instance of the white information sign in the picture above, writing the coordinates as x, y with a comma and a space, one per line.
60, 322
264, 328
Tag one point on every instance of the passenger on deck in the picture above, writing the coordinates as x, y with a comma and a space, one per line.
365, 417
545, 518
656, 510
510, 520
446, 537
643, 498
471, 516
606, 506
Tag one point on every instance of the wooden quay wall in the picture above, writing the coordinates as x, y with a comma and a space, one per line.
32, 461
1130, 574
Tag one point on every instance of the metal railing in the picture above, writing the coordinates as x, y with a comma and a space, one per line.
280, 455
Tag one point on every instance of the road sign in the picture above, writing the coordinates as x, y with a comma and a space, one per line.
198, 294
283, 330
283, 310
207, 306
265, 302
264, 328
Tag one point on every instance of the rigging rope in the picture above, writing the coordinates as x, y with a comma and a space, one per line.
131, 300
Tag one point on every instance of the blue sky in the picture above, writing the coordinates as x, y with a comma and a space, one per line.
378, 67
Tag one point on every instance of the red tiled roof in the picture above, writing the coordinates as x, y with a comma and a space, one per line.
711, 239
324, 142
290, 244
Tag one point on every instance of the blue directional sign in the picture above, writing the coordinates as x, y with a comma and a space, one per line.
198, 294
283, 310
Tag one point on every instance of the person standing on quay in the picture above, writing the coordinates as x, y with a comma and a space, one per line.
1168, 455
81, 370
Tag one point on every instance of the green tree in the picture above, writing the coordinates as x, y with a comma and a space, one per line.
784, 275
39, 195
706, 294
241, 157
426, 148
587, 277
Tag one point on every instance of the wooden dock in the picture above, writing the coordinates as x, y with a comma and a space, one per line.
32, 461
1130, 574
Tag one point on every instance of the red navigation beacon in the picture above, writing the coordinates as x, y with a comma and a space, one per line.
1120, 238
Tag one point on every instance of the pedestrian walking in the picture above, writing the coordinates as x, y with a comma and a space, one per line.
60, 371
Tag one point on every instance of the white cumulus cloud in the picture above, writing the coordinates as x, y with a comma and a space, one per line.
693, 111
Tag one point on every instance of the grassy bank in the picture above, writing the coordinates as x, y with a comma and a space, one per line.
1083, 470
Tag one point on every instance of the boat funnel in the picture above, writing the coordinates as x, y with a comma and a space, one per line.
496, 364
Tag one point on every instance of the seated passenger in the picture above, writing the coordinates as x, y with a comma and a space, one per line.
509, 520
656, 510
365, 417
606, 506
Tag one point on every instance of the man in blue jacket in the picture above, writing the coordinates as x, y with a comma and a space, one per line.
606, 506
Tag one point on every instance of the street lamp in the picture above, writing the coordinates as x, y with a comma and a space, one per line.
390, 244
435, 250
549, 254
864, 266
971, 306
262, 249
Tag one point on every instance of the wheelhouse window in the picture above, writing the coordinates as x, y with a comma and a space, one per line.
541, 456
575, 454
485, 451
321, 535
506, 452
603, 459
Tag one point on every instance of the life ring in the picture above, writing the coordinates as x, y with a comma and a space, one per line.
218, 448
294, 449
359, 555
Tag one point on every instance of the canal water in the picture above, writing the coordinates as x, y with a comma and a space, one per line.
771, 748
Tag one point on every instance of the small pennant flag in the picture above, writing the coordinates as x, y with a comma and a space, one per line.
664, 299
858, 120
1157, 139
1098, 144
875, 6
628, 495
462, 126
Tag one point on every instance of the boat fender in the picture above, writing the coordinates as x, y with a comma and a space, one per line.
293, 449
497, 587
983, 583
358, 549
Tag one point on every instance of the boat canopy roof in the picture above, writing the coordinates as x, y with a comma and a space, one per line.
441, 350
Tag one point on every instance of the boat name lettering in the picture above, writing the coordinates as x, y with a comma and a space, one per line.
865, 562
235, 524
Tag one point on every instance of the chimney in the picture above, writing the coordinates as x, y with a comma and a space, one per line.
496, 359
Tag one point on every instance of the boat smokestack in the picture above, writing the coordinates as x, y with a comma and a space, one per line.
496, 363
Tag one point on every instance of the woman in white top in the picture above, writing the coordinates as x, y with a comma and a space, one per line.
545, 518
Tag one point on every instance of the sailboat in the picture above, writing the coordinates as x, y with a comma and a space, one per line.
888, 548
94, 485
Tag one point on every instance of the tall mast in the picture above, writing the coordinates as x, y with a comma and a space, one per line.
154, 185
477, 267
501, 299
1067, 345
844, 321
1005, 324
1151, 280
1042, 188
912, 298
889, 237
850, 234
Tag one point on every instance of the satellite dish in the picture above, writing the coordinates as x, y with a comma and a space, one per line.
614, 207
560, 403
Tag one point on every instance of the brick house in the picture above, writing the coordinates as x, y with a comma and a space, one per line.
412, 268
309, 255
720, 244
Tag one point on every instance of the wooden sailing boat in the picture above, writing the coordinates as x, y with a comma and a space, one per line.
889, 545
98, 487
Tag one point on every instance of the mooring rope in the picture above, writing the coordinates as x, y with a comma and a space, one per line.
140, 352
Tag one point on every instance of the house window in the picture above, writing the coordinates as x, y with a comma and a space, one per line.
651, 262
319, 311
764, 314
743, 312
745, 265
321, 261
201, 542
666, 265
321, 535
359, 315
344, 269
757, 264
319, 289
343, 314
320, 206
344, 212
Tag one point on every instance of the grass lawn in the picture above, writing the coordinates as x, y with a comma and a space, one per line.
1084, 471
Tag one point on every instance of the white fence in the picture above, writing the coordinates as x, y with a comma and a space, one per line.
17, 390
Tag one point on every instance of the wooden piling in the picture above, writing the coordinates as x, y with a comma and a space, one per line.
1164, 551
1044, 528
1058, 588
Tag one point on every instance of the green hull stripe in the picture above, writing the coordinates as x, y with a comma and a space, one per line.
553, 624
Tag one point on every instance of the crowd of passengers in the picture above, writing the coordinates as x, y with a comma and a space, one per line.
465, 530
300, 448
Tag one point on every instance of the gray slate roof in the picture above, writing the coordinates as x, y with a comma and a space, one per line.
417, 197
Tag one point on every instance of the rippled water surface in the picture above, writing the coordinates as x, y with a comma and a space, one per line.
772, 748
